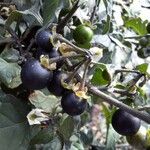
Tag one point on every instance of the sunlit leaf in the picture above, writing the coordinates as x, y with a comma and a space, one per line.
112, 137
47, 103
10, 73
67, 127
142, 67
137, 25
14, 128
100, 77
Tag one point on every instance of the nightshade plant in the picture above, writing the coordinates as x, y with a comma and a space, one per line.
75, 78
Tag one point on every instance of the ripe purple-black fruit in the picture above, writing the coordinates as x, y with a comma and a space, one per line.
148, 27
125, 123
72, 104
42, 39
55, 86
52, 54
34, 76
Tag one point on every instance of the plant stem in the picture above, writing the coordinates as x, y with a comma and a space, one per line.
141, 115
77, 49
75, 71
127, 71
63, 23
123, 92
137, 37
83, 81
14, 35
59, 58
30, 45
93, 13
134, 81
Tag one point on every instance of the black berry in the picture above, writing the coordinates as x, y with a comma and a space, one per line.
42, 39
34, 76
55, 86
125, 123
72, 104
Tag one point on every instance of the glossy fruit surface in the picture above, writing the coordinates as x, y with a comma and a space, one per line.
82, 34
124, 123
42, 39
55, 86
72, 104
34, 76
52, 54
143, 41
148, 27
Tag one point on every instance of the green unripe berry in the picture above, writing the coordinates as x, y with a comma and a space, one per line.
82, 34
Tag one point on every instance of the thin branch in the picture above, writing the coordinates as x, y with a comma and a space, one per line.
75, 71
77, 49
30, 45
123, 92
127, 71
137, 37
59, 58
83, 81
93, 12
14, 35
63, 23
134, 81
141, 115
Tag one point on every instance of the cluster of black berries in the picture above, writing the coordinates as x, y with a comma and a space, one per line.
35, 76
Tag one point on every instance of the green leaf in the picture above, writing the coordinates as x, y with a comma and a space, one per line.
47, 103
106, 75
10, 73
106, 26
87, 138
15, 133
142, 68
85, 117
142, 93
29, 15
112, 137
44, 136
49, 8
107, 57
15, 16
107, 113
77, 146
67, 127
55, 144
100, 77
10, 54
137, 25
